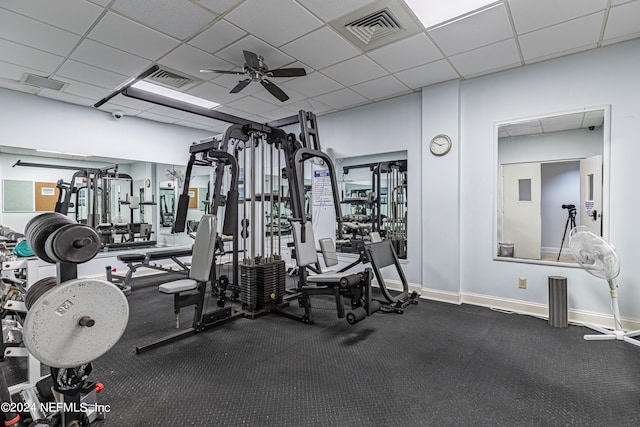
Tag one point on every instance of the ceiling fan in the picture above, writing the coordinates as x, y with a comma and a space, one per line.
257, 71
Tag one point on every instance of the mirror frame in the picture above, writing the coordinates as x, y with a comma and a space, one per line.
606, 159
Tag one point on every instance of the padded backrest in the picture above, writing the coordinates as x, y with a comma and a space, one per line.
305, 252
203, 249
381, 254
374, 236
328, 252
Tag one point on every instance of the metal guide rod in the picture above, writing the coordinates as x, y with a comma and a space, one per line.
279, 200
262, 203
253, 197
244, 200
271, 237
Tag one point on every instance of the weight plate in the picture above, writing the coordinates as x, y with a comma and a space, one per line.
39, 228
38, 289
52, 330
73, 243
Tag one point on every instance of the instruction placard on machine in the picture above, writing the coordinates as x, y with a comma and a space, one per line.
322, 190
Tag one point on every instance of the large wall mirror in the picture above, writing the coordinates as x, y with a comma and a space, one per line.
373, 191
552, 175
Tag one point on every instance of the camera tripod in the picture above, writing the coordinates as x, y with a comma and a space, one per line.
571, 220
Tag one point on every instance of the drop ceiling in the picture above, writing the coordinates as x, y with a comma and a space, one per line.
94, 46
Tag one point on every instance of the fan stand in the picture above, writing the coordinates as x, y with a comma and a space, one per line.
618, 333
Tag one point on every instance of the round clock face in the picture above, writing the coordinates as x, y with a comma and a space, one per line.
440, 145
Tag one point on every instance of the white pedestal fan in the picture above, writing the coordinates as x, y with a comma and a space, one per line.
599, 258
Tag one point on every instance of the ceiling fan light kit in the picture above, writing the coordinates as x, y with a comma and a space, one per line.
257, 71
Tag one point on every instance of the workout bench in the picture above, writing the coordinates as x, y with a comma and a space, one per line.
147, 260
356, 286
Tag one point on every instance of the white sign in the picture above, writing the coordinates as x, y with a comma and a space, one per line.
48, 191
322, 191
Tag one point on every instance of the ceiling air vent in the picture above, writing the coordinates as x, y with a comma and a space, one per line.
377, 24
172, 79
42, 82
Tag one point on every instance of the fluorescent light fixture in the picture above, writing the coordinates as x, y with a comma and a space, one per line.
48, 151
433, 12
76, 154
174, 94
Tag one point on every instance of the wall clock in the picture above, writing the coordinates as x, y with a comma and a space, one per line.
440, 145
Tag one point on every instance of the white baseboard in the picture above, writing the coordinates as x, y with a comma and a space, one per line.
527, 308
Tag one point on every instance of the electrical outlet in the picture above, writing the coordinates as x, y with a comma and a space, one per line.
522, 282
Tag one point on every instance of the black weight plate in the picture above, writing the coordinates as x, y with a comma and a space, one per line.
73, 243
39, 228
36, 290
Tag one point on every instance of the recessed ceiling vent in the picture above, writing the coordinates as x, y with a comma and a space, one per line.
172, 79
376, 24
42, 82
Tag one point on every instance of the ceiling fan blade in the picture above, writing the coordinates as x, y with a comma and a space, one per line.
222, 72
252, 59
241, 85
287, 72
274, 90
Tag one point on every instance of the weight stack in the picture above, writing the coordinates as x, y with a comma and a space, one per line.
262, 284
558, 302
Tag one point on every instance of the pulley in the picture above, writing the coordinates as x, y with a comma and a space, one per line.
75, 322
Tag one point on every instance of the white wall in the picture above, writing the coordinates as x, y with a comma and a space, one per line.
560, 183
31, 122
606, 76
384, 127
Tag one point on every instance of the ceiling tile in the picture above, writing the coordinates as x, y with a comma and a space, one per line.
219, 6
354, 70
480, 29
86, 90
218, 36
623, 22
276, 114
270, 26
66, 97
91, 75
498, 56
533, 15
190, 60
617, 2
178, 18
425, 75
407, 53
36, 34
593, 118
381, 88
109, 58
252, 105
313, 84
333, 47
213, 92
29, 57
10, 71
124, 34
309, 104
232, 111
532, 127
562, 37
273, 57
343, 98
293, 96
328, 10
561, 123
75, 16
130, 103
